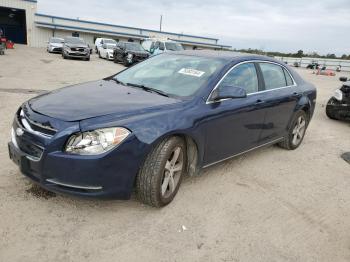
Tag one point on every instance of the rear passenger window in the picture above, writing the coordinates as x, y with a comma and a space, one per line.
288, 78
243, 76
273, 76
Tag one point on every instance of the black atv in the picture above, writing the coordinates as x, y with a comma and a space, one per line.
338, 106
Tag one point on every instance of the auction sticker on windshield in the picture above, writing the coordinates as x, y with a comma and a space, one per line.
191, 72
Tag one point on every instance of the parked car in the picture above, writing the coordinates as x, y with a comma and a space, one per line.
75, 47
99, 42
151, 124
338, 106
155, 47
54, 45
107, 51
313, 65
296, 64
129, 53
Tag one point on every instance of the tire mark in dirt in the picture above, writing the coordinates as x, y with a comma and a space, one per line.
23, 90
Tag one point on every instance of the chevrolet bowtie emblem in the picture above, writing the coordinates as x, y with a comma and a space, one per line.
19, 132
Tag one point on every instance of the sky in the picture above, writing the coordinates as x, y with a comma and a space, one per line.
271, 25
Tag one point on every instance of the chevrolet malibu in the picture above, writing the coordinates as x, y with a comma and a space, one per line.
146, 127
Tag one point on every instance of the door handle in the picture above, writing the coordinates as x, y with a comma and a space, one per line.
259, 101
296, 94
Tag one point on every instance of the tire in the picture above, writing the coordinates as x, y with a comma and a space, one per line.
156, 185
297, 128
99, 55
87, 59
64, 56
125, 62
330, 112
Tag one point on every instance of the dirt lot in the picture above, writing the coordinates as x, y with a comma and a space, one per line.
267, 205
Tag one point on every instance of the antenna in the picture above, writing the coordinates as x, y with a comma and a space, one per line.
160, 23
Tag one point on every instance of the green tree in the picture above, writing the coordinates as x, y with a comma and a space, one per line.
300, 53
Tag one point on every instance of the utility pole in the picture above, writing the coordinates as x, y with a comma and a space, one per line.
160, 23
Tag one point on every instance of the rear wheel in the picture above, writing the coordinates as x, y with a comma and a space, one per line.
296, 131
160, 176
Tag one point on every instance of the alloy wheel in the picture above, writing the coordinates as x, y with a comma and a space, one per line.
298, 130
172, 172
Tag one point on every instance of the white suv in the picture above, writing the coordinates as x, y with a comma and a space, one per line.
155, 46
100, 41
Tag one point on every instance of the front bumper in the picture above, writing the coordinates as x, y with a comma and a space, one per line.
338, 109
108, 175
55, 49
77, 54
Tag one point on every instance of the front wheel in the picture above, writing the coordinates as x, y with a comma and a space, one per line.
330, 111
126, 63
296, 131
160, 176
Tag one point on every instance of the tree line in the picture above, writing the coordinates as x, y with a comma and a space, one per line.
298, 54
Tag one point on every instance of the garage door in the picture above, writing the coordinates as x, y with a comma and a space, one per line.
13, 24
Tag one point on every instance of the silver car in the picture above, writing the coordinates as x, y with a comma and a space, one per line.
54, 45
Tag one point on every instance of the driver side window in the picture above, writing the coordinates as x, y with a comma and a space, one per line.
243, 76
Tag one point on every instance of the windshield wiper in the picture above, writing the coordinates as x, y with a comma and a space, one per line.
118, 81
148, 89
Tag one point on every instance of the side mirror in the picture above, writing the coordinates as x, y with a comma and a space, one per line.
343, 78
227, 92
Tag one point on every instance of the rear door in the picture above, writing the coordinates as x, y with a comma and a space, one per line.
279, 97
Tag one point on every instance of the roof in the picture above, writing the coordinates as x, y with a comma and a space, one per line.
120, 26
228, 55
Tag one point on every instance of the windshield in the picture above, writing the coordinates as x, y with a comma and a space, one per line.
134, 47
178, 75
110, 46
56, 40
74, 40
173, 46
109, 41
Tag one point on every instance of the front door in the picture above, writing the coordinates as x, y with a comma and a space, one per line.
233, 126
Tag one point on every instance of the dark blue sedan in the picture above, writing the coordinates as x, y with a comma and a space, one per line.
148, 126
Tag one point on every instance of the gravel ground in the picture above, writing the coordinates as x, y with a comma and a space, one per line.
267, 205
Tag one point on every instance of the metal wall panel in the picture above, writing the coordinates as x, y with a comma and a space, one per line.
41, 27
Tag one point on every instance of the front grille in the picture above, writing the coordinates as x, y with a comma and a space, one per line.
29, 148
32, 126
78, 49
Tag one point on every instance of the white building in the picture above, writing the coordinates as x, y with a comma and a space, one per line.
22, 24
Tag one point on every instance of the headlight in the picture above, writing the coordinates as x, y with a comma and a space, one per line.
130, 56
338, 94
97, 141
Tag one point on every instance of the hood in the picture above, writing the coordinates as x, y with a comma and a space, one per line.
56, 44
76, 45
142, 53
95, 99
